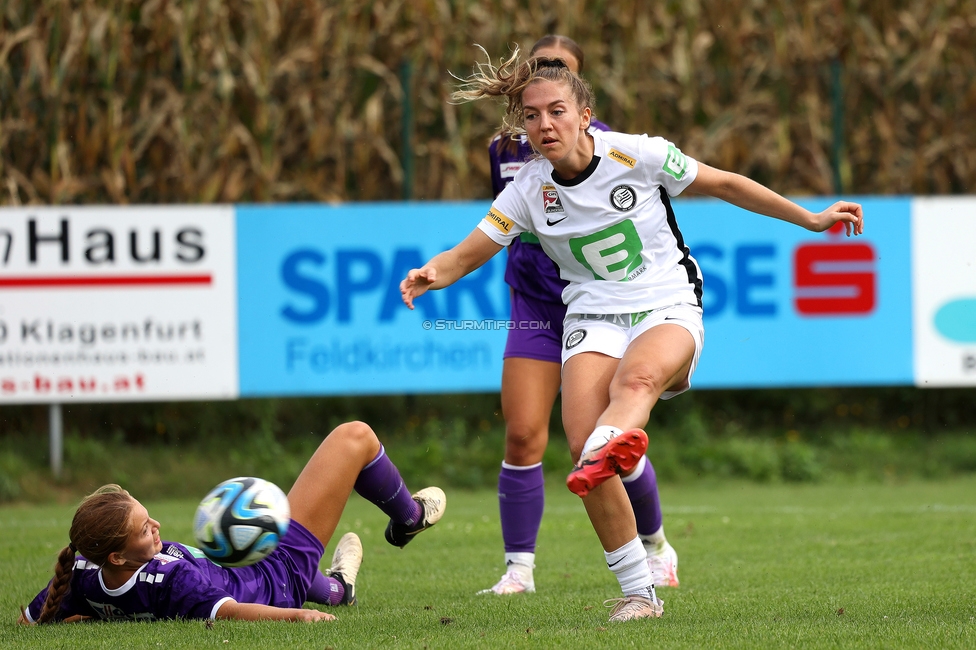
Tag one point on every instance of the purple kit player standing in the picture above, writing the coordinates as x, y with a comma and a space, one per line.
531, 378
125, 572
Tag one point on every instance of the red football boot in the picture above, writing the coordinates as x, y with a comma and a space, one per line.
618, 456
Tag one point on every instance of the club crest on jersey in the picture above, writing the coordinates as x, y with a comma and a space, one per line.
575, 338
550, 200
623, 198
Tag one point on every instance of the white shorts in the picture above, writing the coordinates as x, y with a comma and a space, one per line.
611, 334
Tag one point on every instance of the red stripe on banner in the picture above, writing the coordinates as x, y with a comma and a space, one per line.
107, 281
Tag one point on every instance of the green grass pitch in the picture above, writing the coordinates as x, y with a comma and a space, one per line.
851, 566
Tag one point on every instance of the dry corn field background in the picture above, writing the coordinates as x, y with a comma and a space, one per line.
196, 101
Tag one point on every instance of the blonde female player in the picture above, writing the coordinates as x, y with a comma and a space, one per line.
126, 572
633, 330
531, 378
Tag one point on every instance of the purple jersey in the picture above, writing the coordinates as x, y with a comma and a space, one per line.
180, 583
529, 269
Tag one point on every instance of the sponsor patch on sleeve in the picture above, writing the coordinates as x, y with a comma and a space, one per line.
676, 163
623, 159
498, 220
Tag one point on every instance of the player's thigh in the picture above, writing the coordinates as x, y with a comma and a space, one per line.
586, 394
529, 389
656, 360
321, 490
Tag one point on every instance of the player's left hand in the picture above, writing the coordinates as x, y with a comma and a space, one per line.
416, 284
847, 212
77, 618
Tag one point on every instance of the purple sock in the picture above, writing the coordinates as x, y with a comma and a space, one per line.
521, 498
380, 483
325, 591
645, 499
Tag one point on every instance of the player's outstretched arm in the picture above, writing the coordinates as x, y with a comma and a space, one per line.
77, 618
445, 269
253, 612
750, 195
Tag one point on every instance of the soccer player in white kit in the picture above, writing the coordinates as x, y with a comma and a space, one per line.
600, 205
531, 375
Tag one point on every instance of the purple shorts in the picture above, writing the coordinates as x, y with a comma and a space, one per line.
537, 329
292, 565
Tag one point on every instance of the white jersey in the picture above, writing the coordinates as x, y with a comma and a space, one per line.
611, 229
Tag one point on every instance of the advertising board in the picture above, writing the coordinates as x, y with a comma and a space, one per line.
944, 289
320, 308
785, 307
177, 302
105, 304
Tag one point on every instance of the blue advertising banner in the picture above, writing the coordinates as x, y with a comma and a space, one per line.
320, 311
787, 307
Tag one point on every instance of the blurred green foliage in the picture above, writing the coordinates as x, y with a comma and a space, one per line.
182, 449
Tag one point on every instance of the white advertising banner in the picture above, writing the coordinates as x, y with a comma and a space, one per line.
108, 304
944, 290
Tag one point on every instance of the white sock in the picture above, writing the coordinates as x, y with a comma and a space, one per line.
600, 436
629, 564
655, 541
521, 563
520, 468
636, 474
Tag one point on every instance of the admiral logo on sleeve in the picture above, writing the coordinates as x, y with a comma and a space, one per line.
498, 220
622, 159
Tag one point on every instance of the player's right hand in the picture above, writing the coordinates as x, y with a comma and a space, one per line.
416, 284
312, 616
846, 212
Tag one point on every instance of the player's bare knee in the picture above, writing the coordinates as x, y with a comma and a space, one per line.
525, 437
525, 447
357, 435
643, 382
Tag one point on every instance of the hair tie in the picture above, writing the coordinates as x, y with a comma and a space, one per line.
553, 62
71, 545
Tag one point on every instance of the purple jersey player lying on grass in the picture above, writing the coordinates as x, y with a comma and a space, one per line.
126, 572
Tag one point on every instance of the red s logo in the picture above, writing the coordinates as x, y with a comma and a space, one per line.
834, 279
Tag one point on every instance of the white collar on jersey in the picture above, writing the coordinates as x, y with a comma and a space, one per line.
125, 587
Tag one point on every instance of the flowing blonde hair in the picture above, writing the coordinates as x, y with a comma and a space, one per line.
512, 77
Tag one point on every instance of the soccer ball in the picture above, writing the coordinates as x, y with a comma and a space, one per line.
241, 521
